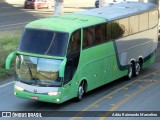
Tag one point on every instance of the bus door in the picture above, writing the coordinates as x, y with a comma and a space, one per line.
73, 54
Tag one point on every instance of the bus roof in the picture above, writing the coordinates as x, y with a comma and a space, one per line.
65, 23
120, 10
74, 21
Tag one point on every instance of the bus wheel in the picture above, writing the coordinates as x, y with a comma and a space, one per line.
130, 72
137, 69
81, 91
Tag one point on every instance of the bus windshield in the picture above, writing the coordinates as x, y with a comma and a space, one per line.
38, 71
44, 42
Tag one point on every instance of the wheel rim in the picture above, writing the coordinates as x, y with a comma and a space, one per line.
137, 68
130, 73
80, 91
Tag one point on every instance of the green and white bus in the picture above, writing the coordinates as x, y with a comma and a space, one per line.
63, 57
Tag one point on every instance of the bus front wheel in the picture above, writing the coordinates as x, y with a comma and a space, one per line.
81, 91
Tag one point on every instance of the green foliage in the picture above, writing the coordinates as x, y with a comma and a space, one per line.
8, 43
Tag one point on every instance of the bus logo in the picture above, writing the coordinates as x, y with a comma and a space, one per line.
6, 114
35, 91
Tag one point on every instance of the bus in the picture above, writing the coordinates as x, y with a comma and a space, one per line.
64, 57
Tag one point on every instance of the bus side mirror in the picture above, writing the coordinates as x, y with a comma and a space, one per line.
9, 59
62, 68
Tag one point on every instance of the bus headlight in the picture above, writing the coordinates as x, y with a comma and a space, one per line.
18, 88
54, 93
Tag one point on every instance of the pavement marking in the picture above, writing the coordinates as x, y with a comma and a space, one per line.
13, 24
142, 87
6, 84
39, 12
110, 97
127, 95
124, 100
6, 7
99, 100
126, 88
96, 106
112, 104
110, 94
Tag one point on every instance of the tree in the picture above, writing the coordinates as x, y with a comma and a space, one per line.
58, 7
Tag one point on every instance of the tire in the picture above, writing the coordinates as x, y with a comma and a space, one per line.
81, 92
137, 68
130, 71
141, 63
97, 4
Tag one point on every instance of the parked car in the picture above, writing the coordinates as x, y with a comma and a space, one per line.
97, 3
37, 4
110, 2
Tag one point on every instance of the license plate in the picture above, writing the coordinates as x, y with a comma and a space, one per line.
34, 97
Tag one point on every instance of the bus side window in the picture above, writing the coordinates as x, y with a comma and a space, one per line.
123, 27
108, 31
153, 18
73, 54
85, 38
74, 43
100, 33
88, 36
133, 24
114, 30
143, 21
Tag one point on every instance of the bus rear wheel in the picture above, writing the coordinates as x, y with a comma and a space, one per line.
137, 68
81, 91
130, 71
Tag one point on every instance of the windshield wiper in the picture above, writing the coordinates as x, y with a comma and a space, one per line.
31, 75
27, 64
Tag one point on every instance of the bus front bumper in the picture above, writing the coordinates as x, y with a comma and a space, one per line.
38, 97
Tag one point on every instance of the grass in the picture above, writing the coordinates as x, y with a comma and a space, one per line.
8, 43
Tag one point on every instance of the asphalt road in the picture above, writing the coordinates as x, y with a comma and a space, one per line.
139, 94
14, 16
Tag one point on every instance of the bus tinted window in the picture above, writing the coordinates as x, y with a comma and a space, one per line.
153, 18
108, 31
74, 43
44, 42
88, 36
143, 22
100, 33
133, 24
123, 27
114, 30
